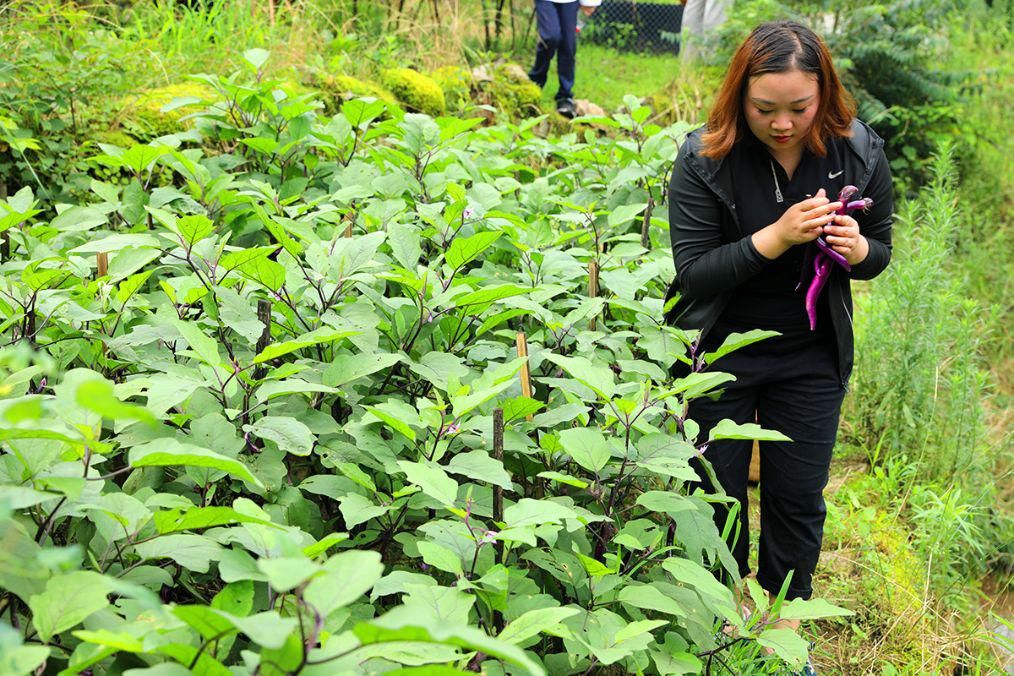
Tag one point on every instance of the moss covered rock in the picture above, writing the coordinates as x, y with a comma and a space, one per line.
507, 88
456, 83
143, 116
416, 91
336, 89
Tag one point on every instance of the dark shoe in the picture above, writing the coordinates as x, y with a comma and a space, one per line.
566, 108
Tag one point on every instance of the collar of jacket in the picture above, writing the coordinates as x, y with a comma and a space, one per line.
864, 144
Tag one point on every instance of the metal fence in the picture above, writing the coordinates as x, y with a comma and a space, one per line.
634, 26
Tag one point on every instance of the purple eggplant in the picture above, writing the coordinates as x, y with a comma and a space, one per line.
824, 255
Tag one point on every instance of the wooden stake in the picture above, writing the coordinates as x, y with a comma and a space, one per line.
264, 315
754, 476
526, 379
593, 287
498, 496
646, 224
102, 263
498, 455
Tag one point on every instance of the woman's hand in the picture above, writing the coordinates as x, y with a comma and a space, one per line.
844, 237
801, 223
804, 222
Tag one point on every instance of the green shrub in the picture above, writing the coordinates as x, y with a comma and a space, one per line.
144, 117
417, 91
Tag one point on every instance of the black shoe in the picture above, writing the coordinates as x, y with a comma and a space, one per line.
566, 108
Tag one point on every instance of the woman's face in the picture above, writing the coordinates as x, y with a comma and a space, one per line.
780, 108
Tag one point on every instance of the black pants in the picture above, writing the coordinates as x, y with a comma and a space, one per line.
791, 383
557, 23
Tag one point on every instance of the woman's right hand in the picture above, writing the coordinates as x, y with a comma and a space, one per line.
804, 222
801, 223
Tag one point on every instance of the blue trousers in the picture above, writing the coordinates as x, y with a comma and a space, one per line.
557, 23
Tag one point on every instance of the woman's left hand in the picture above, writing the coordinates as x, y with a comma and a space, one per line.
843, 236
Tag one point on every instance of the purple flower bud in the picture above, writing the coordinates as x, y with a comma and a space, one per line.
468, 212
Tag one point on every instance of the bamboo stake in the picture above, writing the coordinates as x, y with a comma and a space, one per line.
102, 263
526, 379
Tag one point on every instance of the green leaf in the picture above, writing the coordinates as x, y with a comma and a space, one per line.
735, 341
235, 598
587, 446
171, 453
315, 337
194, 228
647, 597
441, 557
623, 214
291, 435
345, 367
667, 502
357, 509
264, 271
599, 378
520, 407
395, 413
97, 396
479, 465
237, 259
726, 429
287, 572
813, 609
193, 552
464, 637
256, 57
67, 601
204, 346
563, 479
463, 250
345, 577
530, 512
196, 518
433, 481
701, 579
787, 644
535, 622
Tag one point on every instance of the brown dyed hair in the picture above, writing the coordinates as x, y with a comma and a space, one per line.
777, 47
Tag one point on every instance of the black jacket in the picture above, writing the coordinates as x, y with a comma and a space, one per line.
713, 255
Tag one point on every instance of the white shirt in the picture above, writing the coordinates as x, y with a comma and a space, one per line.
584, 3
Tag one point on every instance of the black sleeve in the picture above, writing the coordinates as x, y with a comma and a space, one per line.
875, 225
705, 267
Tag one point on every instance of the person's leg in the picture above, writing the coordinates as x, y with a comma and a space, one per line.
548, 22
714, 15
566, 56
804, 405
691, 29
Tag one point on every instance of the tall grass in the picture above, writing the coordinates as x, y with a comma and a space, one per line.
920, 378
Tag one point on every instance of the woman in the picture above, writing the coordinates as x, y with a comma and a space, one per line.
750, 194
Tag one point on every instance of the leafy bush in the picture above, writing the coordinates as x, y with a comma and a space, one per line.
252, 419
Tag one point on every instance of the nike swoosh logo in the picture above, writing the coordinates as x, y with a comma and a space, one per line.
835, 175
